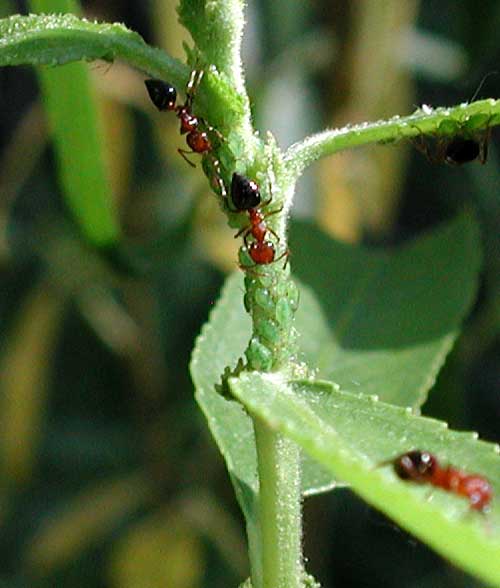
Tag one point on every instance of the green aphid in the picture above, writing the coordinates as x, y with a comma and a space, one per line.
265, 301
259, 356
284, 312
268, 330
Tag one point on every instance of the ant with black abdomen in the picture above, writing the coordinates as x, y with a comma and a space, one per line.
464, 147
246, 197
456, 142
164, 97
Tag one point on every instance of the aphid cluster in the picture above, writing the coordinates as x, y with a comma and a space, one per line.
424, 468
270, 299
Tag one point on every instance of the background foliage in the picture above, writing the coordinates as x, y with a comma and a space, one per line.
109, 477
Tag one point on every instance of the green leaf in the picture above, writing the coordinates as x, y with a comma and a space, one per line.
56, 39
78, 142
61, 39
353, 435
394, 314
221, 343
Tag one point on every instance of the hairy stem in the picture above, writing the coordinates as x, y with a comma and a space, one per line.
279, 508
425, 121
271, 297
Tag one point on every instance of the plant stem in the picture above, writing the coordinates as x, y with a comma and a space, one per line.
271, 298
279, 509
423, 121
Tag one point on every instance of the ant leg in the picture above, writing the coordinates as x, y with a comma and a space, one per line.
222, 187
483, 146
270, 213
211, 129
192, 86
245, 240
250, 269
285, 254
218, 178
420, 143
383, 464
269, 200
214, 174
183, 153
434, 152
215, 131
246, 231
439, 156
269, 230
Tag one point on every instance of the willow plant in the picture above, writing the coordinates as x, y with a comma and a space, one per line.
305, 386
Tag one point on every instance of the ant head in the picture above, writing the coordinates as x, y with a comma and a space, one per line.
245, 193
415, 465
163, 95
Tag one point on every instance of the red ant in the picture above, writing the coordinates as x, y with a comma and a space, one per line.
423, 468
245, 196
164, 97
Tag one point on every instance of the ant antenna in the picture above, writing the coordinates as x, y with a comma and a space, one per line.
481, 83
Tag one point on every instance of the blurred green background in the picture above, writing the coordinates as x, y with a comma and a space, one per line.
108, 475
